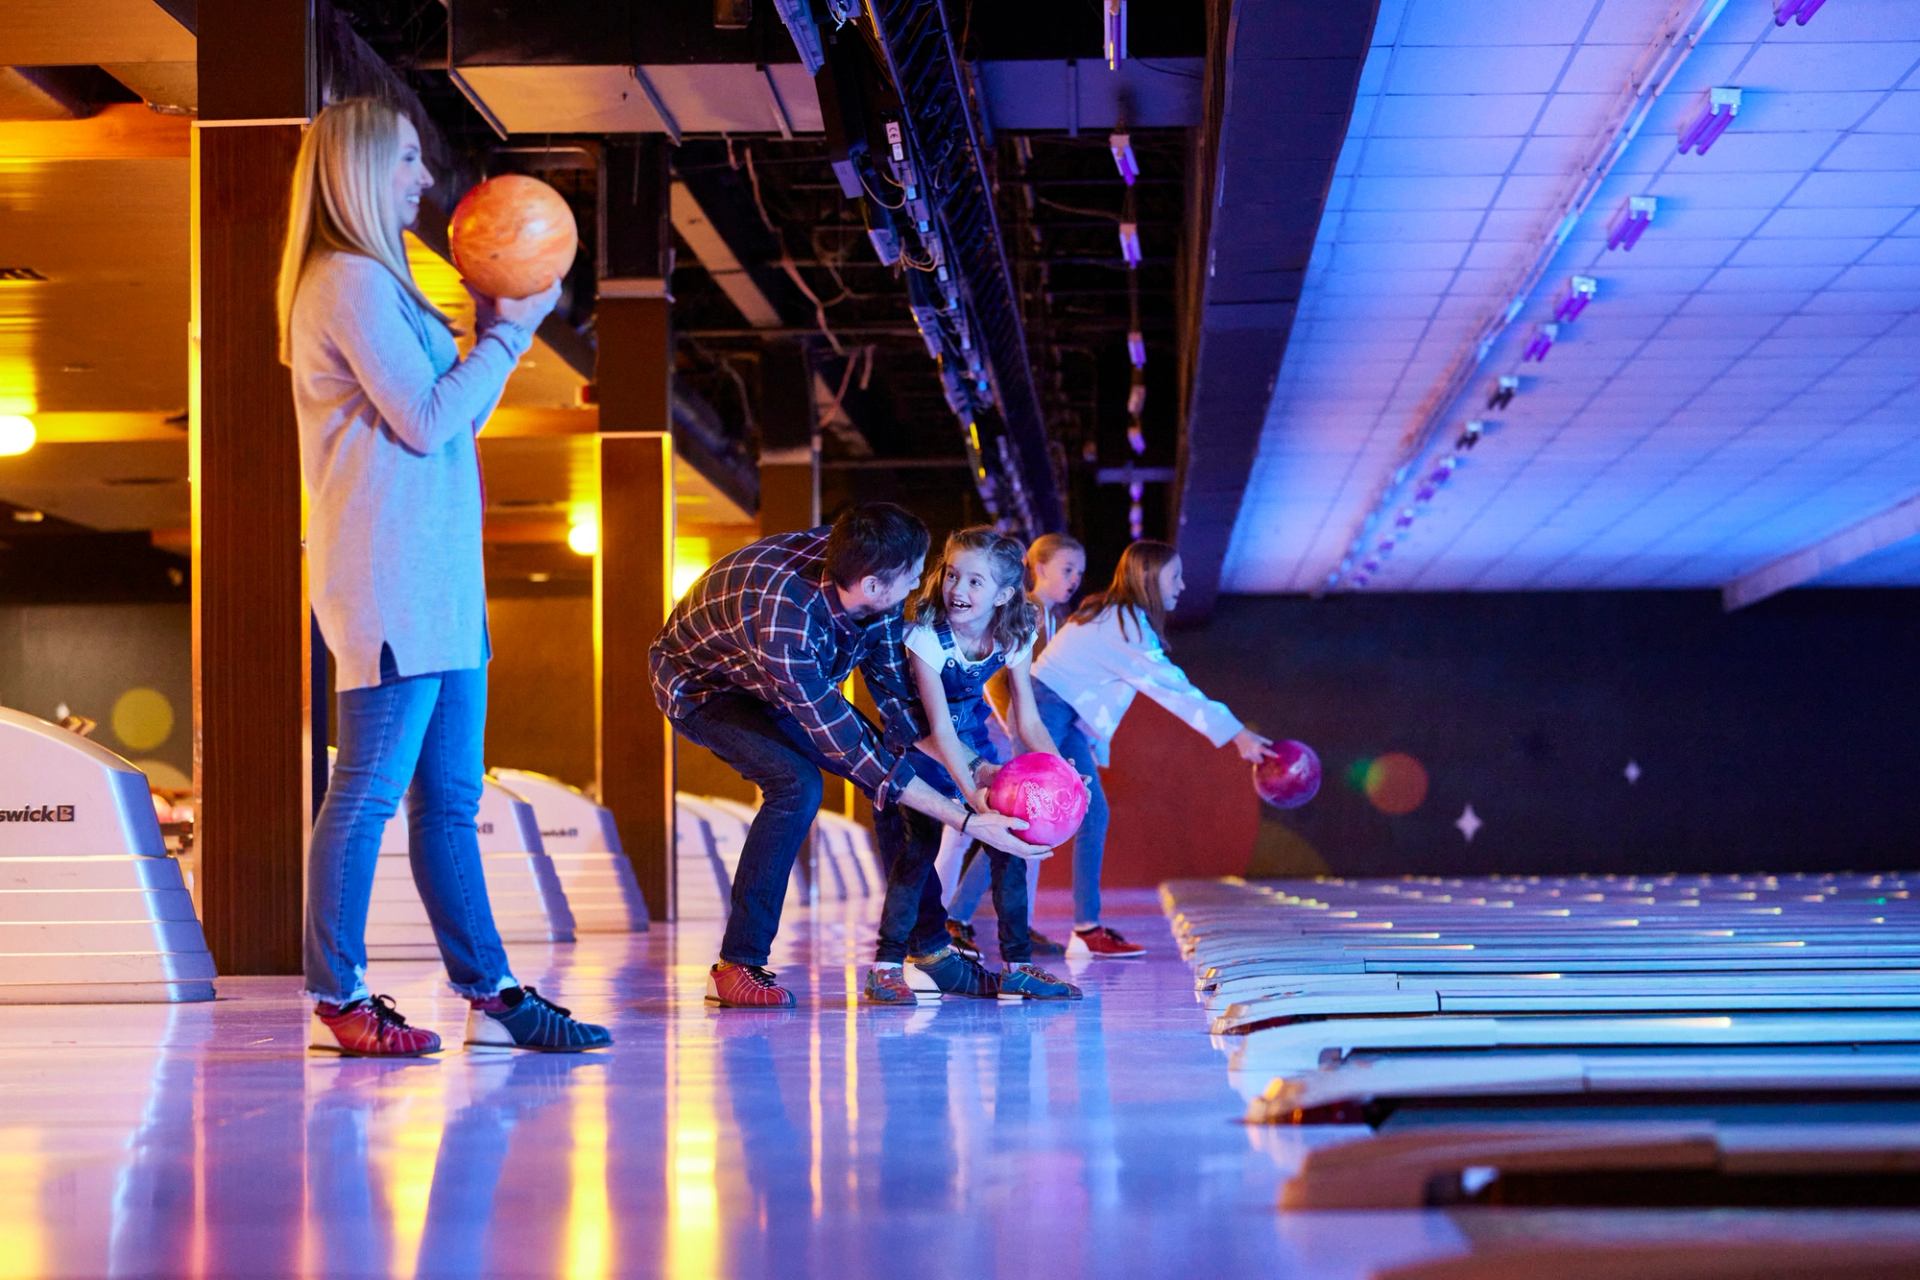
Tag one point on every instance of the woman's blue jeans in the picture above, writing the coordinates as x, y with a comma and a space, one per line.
1090, 844
421, 736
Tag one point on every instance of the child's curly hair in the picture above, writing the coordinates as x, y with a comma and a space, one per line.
1014, 622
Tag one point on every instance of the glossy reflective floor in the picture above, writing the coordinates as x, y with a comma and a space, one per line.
965, 1139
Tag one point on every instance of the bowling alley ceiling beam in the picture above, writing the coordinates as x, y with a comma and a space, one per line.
54, 33
711, 248
124, 131
1278, 93
585, 66
1813, 562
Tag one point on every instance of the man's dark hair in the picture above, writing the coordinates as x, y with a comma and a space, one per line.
877, 539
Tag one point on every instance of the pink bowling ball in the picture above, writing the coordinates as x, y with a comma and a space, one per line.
1291, 778
1044, 790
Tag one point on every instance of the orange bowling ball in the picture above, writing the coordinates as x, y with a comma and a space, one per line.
513, 236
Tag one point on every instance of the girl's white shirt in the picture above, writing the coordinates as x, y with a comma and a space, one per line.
923, 642
1098, 668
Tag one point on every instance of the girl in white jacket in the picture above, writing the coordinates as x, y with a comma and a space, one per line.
1084, 681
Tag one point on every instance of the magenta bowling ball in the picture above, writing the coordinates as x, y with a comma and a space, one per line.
1043, 790
1291, 778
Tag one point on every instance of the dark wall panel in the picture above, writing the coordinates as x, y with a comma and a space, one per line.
1777, 737
99, 658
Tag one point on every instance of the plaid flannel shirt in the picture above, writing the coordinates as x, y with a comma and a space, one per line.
764, 621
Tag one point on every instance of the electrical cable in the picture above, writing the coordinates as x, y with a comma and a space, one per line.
786, 258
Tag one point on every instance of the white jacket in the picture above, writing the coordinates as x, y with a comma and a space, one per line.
1097, 668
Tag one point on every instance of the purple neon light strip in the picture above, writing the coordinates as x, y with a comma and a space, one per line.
1716, 127
1694, 130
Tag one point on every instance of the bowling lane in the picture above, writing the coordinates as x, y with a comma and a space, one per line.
1657, 1041
832, 1140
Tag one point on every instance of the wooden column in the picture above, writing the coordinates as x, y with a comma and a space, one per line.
250, 653
632, 583
633, 573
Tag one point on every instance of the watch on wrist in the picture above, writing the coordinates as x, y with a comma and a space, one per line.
973, 767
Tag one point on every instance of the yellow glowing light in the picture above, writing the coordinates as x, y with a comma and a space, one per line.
693, 1143
441, 283
684, 576
584, 536
816, 1114
973, 434
16, 434
692, 556
143, 718
23, 1172
590, 1205
414, 1151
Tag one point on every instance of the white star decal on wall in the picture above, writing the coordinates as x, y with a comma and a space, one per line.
1632, 771
1469, 823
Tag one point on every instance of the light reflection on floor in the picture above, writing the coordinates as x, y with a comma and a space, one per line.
966, 1139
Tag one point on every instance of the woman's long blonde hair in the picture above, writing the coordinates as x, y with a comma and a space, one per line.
1135, 585
342, 201
1013, 623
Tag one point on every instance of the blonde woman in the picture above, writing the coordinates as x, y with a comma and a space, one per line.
388, 412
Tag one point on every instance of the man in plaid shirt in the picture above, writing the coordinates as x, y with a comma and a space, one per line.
750, 666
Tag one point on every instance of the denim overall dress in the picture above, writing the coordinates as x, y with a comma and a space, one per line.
966, 690
965, 687
911, 920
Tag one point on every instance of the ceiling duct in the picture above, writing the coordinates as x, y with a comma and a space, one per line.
584, 66
903, 122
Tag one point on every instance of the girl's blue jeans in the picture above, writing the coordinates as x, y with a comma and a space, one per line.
1090, 844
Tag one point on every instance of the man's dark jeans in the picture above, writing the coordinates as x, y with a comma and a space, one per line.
912, 919
768, 748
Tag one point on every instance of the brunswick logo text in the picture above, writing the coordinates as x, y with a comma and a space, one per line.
38, 813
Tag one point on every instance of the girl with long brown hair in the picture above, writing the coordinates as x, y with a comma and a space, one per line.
1110, 650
